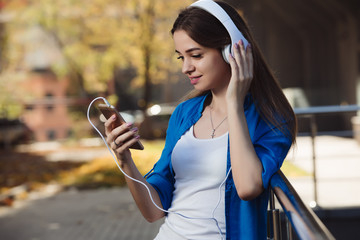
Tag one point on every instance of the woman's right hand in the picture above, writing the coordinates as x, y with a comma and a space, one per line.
242, 73
121, 138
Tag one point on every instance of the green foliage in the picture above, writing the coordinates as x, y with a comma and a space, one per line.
103, 172
10, 95
87, 42
99, 36
102, 178
291, 170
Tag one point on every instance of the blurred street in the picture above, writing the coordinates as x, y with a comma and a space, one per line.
111, 213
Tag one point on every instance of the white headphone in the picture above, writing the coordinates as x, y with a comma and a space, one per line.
217, 11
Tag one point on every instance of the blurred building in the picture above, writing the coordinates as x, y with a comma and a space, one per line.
46, 114
46, 110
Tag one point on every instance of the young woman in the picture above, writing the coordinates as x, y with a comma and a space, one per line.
223, 144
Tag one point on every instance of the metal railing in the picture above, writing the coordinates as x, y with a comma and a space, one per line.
299, 217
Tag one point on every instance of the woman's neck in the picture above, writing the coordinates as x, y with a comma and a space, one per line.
218, 102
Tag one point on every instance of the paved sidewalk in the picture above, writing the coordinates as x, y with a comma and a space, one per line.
103, 214
337, 170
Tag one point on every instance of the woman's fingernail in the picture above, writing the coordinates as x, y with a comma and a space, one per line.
236, 45
113, 117
134, 129
137, 136
129, 124
241, 42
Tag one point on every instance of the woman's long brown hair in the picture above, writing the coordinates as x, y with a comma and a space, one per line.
265, 89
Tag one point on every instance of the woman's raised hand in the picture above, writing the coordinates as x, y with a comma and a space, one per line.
121, 138
241, 73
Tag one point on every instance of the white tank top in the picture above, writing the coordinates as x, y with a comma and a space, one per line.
200, 168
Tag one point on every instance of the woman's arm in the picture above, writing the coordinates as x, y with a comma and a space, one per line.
120, 139
246, 166
141, 195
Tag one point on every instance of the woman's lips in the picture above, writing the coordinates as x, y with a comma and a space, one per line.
194, 80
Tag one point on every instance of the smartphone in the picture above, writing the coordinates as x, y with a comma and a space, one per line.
108, 111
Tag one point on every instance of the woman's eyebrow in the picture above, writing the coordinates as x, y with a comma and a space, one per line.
189, 50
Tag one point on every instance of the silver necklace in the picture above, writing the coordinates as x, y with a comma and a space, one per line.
212, 125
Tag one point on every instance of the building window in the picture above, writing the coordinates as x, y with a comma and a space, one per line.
51, 135
70, 133
29, 107
49, 103
49, 107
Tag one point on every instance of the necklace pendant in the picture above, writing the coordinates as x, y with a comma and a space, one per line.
213, 133
212, 125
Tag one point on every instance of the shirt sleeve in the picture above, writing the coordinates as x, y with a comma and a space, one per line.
271, 146
162, 180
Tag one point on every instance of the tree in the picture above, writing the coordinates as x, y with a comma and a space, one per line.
97, 37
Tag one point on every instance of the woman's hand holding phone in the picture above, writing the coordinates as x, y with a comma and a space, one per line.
121, 138
120, 135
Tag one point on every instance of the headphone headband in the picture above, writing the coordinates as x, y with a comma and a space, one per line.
217, 11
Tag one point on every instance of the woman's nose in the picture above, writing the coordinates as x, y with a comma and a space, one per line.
187, 67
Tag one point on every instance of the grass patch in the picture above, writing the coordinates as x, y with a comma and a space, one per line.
103, 172
291, 170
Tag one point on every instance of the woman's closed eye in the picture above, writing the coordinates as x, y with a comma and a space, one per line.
197, 56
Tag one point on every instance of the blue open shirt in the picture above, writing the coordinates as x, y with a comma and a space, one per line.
244, 219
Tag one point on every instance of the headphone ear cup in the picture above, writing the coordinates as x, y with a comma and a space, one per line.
225, 53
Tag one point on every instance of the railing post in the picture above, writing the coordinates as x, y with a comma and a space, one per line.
305, 222
289, 229
274, 224
313, 135
269, 226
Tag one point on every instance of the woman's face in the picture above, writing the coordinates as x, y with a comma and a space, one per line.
204, 66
